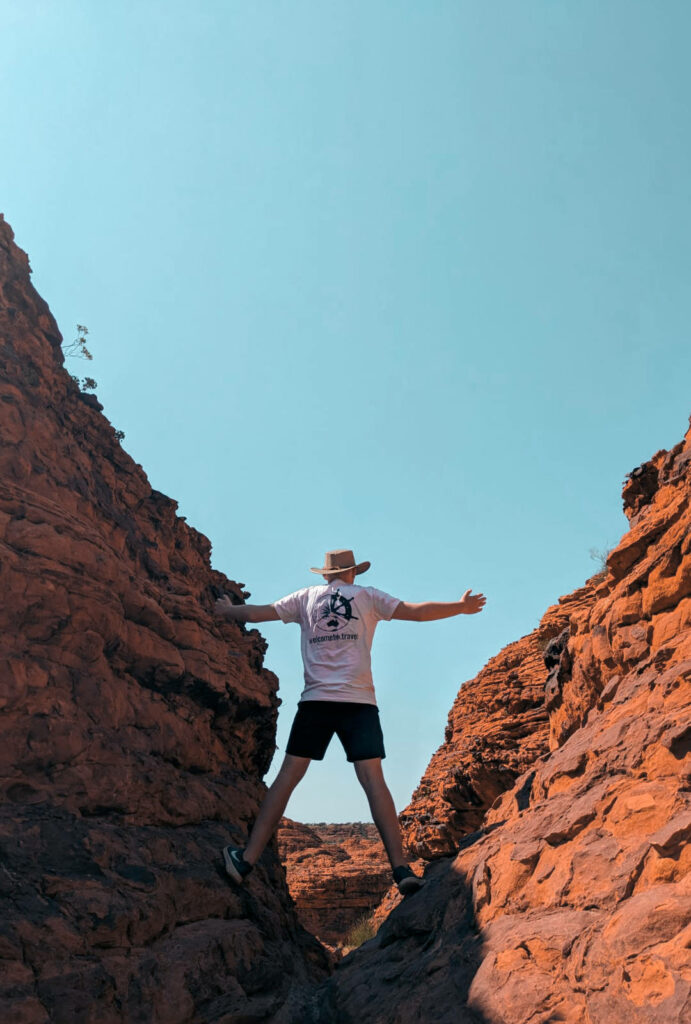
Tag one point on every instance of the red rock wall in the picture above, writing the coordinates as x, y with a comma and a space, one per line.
135, 728
572, 900
336, 874
498, 726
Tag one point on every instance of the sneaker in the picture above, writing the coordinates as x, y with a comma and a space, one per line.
236, 866
406, 881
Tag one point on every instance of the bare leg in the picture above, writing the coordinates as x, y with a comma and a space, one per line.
371, 778
274, 804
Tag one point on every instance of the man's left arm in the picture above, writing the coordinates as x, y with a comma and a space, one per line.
428, 611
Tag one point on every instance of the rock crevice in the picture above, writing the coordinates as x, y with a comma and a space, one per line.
567, 896
552, 824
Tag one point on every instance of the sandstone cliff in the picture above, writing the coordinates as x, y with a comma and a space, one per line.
554, 820
498, 726
135, 728
336, 874
571, 899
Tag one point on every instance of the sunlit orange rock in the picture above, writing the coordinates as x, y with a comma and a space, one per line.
571, 900
498, 726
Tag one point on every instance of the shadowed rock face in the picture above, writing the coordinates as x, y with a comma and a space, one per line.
572, 900
336, 874
135, 728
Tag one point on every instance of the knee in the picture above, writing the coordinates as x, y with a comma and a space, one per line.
291, 772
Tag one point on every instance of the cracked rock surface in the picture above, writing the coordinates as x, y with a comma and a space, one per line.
135, 727
552, 825
571, 899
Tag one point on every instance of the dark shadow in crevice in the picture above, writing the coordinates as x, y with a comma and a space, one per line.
418, 968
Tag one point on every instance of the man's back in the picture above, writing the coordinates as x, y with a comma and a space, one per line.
337, 621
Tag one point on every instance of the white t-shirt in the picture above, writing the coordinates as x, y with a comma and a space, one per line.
337, 622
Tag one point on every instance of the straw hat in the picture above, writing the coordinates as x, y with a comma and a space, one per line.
339, 561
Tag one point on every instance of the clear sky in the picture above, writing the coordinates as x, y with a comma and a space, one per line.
410, 278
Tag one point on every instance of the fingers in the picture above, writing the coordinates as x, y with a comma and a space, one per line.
474, 602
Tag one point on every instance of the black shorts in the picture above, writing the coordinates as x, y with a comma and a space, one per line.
356, 725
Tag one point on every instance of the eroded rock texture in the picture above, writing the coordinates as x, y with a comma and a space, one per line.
135, 728
498, 726
336, 874
572, 900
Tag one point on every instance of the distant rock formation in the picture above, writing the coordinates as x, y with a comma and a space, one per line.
571, 899
135, 728
337, 874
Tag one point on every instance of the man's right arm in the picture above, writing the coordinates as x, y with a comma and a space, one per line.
225, 609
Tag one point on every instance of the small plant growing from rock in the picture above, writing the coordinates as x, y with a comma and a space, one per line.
361, 931
77, 349
600, 555
78, 346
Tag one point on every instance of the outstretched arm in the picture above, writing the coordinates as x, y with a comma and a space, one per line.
427, 611
225, 609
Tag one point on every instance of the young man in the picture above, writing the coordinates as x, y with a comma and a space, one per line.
337, 620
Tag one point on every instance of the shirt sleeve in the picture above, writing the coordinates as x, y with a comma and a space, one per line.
383, 604
289, 608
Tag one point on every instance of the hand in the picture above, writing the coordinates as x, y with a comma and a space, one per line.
222, 606
472, 603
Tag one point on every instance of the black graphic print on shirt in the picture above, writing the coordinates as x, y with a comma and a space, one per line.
335, 613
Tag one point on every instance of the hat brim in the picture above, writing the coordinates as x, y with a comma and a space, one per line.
360, 567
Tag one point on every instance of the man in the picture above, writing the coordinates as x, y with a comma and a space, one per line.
337, 620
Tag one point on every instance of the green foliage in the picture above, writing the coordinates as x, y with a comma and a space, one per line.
361, 931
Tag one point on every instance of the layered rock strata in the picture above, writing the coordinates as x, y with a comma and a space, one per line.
135, 728
337, 874
498, 726
572, 900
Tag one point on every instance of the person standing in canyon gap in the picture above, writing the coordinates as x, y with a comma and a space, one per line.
337, 621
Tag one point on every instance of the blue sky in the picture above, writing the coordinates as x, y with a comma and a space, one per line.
408, 278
